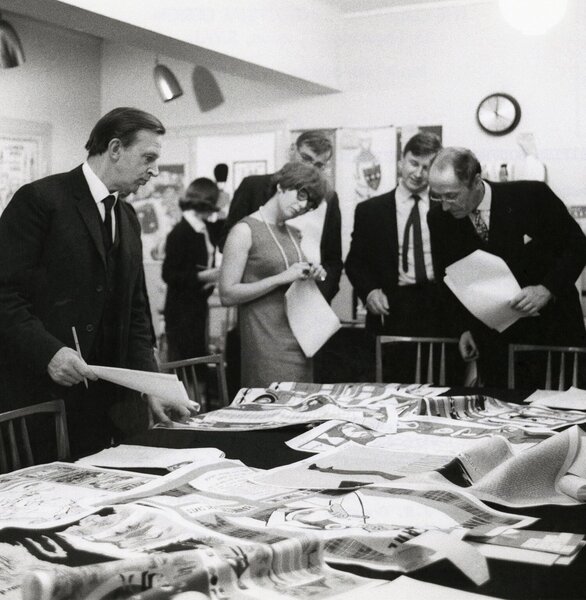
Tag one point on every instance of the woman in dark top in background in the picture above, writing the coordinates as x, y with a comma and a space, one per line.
190, 273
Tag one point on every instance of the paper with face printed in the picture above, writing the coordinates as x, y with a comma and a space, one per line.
485, 285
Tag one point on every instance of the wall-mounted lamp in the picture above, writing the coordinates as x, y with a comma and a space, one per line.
166, 83
533, 17
11, 52
206, 88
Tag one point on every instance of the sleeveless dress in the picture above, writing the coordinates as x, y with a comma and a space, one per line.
269, 351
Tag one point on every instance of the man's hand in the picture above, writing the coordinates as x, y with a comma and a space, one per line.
377, 302
66, 368
468, 348
166, 411
531, 299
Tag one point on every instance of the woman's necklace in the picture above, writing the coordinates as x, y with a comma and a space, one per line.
281, 249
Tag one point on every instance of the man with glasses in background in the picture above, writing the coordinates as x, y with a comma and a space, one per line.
529, 227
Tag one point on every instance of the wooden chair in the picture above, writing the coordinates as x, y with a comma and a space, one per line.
429, 344
15, 446
568, 367
187, 369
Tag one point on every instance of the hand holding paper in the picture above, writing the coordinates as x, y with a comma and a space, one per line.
485, 285
166, 394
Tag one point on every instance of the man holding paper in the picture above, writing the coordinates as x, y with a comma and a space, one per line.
71, 267
529, 227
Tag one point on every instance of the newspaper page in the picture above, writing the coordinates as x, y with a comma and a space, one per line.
355, 393
55, 494
492, 412
421, 432
262, 412
355, 465
129, 456
289, 568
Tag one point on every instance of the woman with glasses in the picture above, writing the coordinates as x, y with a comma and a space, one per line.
262, 257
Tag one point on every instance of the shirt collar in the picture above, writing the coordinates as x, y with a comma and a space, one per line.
97, 187
198, 224
403, 195
486, 202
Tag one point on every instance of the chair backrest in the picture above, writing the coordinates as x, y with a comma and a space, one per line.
15, 446
424, 345
567, 366
189, 372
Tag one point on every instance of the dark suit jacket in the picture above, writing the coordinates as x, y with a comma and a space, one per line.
531, 229
373, 263
255, 190
53, 277
186, 255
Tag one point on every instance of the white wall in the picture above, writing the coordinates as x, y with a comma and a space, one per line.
58, 84
296, 38
428, 66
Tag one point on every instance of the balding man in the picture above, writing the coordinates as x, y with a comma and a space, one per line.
529, 227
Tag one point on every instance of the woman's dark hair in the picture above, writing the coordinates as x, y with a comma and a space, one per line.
294, 176
122, 123
202, 195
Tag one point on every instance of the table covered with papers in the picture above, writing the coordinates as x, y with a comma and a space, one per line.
303, 491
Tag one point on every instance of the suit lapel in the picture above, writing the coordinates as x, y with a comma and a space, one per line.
88, 210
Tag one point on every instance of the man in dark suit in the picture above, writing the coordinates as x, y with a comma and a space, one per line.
71, 256
389, 262
312, 148
529, 227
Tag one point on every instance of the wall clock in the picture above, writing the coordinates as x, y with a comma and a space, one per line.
498, 114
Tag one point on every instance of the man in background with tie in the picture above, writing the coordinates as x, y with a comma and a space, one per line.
71, 257
389, 262
530, 228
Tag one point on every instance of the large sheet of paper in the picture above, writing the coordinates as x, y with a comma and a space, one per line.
485, 285
311, 318
162, 385
572, 399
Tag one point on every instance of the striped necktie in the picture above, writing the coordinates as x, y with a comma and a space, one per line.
480, 226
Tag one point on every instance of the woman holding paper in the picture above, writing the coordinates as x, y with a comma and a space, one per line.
262, 257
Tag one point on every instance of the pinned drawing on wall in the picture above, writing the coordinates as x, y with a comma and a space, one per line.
365, 167
245, 168
24, 155
157, 207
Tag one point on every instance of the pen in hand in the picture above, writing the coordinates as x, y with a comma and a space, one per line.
78, 349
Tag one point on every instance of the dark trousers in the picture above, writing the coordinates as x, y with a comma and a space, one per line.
414, 311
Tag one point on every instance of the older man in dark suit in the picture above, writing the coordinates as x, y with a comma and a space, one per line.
530, 228
71, 256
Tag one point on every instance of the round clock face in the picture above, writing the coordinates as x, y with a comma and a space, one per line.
498, 114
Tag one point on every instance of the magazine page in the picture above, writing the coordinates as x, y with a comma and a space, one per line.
250, 416
129, 456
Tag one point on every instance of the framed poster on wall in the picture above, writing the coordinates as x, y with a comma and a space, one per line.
24, 155
245, 168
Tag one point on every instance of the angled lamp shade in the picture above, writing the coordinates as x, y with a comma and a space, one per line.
207, 91
11, 52
167, 83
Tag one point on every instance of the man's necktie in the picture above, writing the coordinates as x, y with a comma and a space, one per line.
480, 226
414, 222
108, 204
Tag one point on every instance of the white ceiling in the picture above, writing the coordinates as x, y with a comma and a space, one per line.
349, 7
